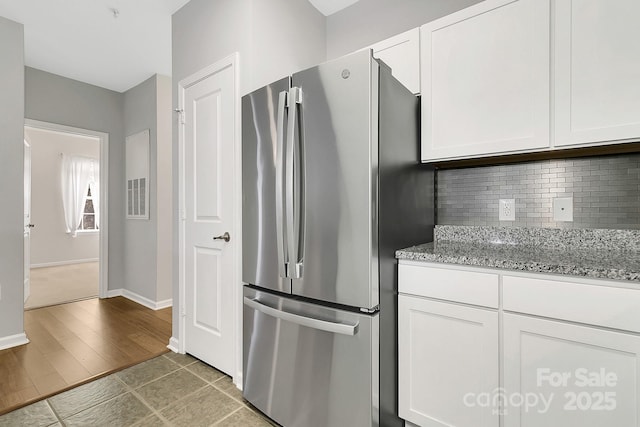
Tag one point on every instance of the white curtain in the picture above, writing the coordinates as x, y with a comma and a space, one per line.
95, 191
77, 174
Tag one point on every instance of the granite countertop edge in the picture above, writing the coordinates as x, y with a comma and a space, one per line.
493, 258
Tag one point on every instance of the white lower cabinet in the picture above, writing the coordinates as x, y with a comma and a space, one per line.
448, 361
562, 374
550, 352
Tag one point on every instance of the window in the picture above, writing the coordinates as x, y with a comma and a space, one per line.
88, 220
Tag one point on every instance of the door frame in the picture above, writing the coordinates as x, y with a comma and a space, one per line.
103, 253
229, 61
27, 251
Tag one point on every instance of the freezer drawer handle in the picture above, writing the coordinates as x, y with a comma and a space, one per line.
323, 325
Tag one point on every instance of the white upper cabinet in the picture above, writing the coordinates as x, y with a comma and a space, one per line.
485, 80
402, 54
514, 76
597, 71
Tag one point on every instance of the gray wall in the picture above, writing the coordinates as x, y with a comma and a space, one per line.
164, 195
287, 36
55, 99
273, 39
140, 236
369, 21
205, 31
605, 191
11, 177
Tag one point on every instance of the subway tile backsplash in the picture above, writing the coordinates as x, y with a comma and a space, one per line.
605, 191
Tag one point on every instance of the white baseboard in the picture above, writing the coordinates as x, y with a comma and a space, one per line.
59, 263
237, 380
153, 305
174, 345
114, 293
164, 304
13, 341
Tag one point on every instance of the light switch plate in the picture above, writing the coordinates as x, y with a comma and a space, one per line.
507, 209
563, 209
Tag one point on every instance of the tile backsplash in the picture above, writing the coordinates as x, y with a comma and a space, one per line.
605, 191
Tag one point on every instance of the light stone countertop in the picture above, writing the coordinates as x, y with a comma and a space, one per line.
598, 254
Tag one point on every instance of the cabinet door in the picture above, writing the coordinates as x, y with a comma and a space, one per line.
597, 71
561, 374
402, 54
485, 80
448, 359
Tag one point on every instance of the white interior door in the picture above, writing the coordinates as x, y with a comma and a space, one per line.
27, 219
209, 106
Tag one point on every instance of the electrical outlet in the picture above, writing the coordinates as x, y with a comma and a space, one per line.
563, 209
507, 209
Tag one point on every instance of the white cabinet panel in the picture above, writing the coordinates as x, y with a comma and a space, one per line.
448, 356
485, 80
597, 71
569, 375
402, 54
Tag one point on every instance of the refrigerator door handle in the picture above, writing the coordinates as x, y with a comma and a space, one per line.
311, 322
283, 264
294, 191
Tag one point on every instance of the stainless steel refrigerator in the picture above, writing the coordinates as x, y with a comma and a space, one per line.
332, 186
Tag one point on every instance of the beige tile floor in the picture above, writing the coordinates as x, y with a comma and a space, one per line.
169, 390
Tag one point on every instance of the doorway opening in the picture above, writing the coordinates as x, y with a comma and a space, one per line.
66, 222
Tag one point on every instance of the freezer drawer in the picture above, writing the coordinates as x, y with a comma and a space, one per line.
307, 365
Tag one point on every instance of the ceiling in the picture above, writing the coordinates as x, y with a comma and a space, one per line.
329, 7
114, 44
83, 40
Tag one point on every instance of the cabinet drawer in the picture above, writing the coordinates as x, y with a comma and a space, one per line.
467, 287
591, 304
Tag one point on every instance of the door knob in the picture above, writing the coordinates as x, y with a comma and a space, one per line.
31, 225
226, 237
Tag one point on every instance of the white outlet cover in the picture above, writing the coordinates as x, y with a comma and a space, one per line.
507, 210
563, 209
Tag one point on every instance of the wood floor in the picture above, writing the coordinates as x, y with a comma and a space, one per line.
73, 343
